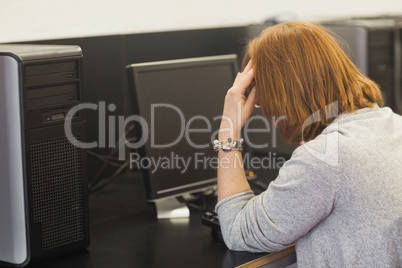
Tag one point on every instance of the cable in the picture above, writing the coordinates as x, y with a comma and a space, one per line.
100, 171
105, 158
109, 160
110, 179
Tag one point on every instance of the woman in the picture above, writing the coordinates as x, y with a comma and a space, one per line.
339, 197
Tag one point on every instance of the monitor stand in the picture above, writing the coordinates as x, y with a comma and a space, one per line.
171, 208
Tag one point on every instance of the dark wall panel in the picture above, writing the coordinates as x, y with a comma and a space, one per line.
183, 44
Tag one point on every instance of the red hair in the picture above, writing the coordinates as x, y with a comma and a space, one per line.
299, 70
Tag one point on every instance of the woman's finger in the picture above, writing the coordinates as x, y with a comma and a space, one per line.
237, 78
245, 71
248, 67
243, 82
250, 102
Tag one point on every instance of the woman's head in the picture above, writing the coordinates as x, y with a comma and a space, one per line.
302, 74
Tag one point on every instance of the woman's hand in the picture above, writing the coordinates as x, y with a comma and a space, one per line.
237, 108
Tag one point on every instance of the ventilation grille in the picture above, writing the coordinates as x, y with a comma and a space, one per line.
57, 191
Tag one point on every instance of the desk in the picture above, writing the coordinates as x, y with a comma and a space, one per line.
125, 234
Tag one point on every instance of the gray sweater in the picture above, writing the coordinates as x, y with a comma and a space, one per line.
339, 198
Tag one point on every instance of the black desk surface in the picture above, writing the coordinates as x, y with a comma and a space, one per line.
124, 232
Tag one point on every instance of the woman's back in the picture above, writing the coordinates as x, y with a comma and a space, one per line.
367, 214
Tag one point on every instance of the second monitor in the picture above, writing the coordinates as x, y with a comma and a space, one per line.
180, 102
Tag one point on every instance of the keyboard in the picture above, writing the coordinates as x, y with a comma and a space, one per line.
211, 220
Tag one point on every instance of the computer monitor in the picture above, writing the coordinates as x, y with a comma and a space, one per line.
181, 102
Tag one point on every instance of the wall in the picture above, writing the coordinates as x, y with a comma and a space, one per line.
26, 20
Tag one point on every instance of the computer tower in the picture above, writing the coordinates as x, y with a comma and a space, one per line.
43, 178
374, 45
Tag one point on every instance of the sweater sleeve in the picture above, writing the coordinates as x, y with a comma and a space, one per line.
303, 194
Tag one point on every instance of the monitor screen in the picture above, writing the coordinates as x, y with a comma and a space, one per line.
181, 102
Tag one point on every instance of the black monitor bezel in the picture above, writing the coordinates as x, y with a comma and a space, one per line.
133, 71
